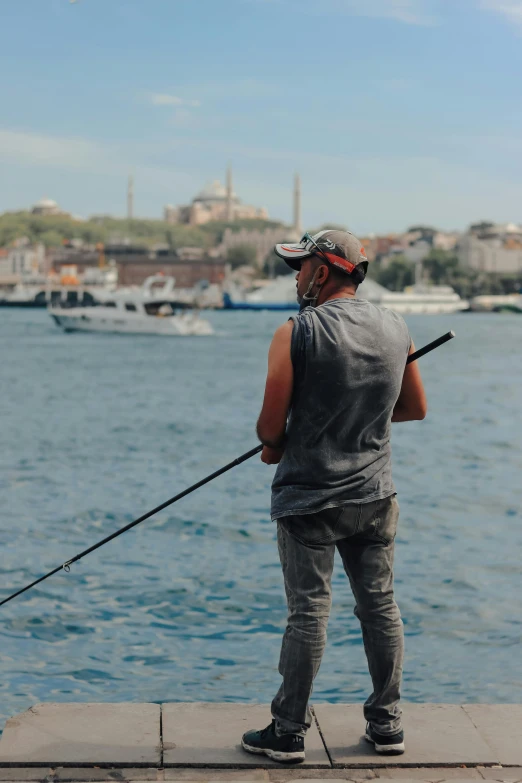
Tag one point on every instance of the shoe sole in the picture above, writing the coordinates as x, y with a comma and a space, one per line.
275, 755
389, 750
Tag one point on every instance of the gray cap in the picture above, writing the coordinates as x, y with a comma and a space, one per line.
341, 248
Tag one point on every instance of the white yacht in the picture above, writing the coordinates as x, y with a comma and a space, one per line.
427, 299
151, 309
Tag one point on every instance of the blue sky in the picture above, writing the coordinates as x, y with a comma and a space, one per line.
393, 111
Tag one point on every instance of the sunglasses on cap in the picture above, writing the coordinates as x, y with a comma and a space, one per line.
309, 238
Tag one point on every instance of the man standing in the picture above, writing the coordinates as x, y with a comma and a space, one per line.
337, 378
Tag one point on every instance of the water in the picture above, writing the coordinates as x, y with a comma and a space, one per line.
97, 429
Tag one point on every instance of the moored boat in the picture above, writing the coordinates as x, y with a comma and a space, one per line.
424, 299
146, 310
491, 303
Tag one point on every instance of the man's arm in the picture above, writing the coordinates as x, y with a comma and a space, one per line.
411, 404
271, 425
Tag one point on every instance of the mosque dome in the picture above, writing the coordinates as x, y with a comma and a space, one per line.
215, 191
46, 206
46, 203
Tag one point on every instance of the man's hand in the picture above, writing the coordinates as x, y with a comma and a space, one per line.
271, 456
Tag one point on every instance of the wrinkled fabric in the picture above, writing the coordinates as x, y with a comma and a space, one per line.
348, 358
364, 535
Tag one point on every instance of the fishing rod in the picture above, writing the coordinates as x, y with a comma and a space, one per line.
67, 565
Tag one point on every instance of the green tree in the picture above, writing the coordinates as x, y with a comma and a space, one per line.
14, 225
397, 274
51, 238
441, 266
241, 255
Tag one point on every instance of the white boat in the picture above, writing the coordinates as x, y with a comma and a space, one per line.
277, 294
146, 310
69, 288
511, 303
427, 299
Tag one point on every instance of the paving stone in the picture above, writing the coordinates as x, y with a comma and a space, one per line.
311, 777
222, 775
298, 774
511, 774
331, 774
70, 734
237, 779
26, 773
315, 780
436, 734
430, 774
501, 726
210, 734
81, 774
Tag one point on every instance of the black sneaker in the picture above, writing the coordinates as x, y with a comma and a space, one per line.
389, 744
287, 749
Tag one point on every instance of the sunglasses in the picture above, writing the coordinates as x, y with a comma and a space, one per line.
308, 238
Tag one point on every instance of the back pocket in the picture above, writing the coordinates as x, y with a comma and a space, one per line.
385, 519
317, 528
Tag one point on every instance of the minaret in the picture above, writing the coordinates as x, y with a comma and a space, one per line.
230, 206
297, 205
130, 198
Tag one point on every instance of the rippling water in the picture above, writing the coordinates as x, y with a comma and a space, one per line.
189, 606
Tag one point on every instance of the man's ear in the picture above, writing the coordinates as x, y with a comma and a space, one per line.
323, 274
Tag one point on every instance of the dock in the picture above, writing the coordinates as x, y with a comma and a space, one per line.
199, 741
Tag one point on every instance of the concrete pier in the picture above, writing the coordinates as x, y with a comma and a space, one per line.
201, 742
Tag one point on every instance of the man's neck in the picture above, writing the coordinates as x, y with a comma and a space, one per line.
342, 293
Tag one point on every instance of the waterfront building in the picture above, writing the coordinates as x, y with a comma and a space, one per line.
134, 263
444, 240
492, 248
414, 245
22, 259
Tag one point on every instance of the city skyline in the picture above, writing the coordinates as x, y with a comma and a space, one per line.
48, 207
402, 112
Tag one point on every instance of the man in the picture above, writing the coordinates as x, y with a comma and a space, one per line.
337, 378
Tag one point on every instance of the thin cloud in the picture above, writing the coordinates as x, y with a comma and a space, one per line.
511, 11
164, 99
32, 148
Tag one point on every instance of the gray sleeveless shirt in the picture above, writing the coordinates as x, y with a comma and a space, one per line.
349, 358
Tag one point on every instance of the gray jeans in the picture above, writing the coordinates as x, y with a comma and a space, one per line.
364, 536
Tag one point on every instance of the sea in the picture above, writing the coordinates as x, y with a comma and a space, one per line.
189, 606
